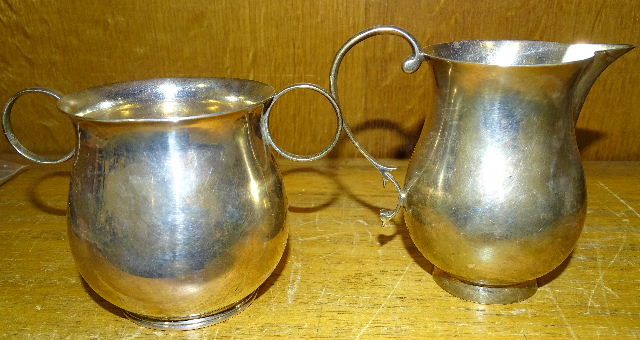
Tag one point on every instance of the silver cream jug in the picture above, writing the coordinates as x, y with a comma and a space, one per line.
176, 207
495, 195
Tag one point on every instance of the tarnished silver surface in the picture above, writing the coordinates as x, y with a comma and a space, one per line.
495, 193
176, 207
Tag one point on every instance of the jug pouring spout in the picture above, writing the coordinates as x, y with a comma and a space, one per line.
602, 55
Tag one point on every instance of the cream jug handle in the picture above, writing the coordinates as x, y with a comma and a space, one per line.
266, 130
13, 140
410, 65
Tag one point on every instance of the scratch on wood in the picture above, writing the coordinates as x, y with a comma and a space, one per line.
127, 334
340, 296
611, 291
600, 280
619, 199
321, 295
355, 241
320, 236
362, 222
215, 337
33, 245
299, 224
364, 329
564, 318
595, 286
619, 214
294, 281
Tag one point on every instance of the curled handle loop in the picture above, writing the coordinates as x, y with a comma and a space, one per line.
13, 140
266, 130
410, 65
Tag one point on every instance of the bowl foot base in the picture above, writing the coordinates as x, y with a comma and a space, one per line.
197, 321
484, 294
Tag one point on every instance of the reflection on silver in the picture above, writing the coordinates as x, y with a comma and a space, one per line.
506, 54
495, 194
176, 207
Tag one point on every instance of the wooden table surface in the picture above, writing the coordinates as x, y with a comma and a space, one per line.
342, 275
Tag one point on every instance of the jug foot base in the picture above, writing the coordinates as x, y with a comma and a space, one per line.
198, 321
484, 294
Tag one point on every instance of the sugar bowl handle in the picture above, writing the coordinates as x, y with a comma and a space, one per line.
266, 131
410, 65
13, 140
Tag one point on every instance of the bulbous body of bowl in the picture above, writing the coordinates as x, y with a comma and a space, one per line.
176, 220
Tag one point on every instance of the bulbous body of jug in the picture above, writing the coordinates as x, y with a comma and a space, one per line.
495, 191
176, 208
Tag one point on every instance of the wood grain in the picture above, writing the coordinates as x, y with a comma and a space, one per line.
71, 45
342, 276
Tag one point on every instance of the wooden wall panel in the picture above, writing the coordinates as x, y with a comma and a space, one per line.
70, 45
